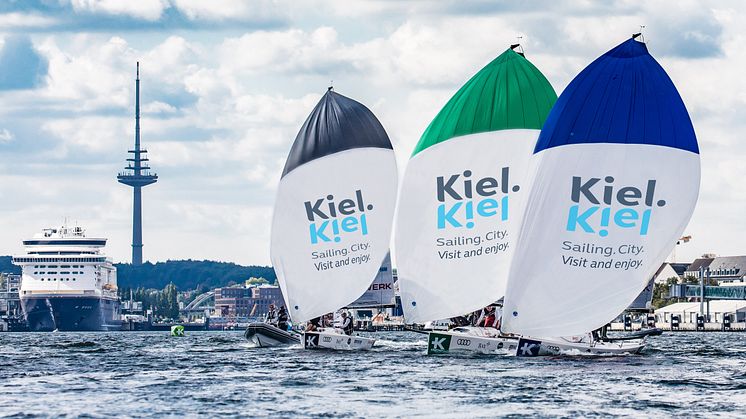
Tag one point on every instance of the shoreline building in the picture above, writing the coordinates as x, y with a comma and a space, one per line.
137, 174
246, 302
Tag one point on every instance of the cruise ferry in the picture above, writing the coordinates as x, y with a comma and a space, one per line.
68, 284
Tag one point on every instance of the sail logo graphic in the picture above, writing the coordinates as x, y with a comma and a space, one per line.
331, 220
637, 206
464, 199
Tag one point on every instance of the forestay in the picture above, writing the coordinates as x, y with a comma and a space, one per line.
462, 195
334, 209
616, 183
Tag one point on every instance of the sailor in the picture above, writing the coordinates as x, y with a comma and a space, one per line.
314, 324
329, 320
346, 323
282, 318
271, 316
489, 317
498, 316
459, 321
474, 317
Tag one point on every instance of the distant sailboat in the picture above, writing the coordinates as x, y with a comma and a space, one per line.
333, 214
616, 183
463, 193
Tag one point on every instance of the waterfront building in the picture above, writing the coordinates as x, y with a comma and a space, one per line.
67, 283
694, 267
669, 270
245, 302
728, 270
10, 301
717, 309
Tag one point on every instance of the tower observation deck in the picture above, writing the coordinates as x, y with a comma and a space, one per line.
137, 174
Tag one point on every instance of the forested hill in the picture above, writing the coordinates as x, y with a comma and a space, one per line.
188, 274
7, 267
185, 274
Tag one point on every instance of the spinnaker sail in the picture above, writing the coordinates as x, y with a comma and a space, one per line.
616, 183
381, 292
461, 199
334, 209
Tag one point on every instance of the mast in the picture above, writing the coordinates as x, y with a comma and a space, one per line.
137, 174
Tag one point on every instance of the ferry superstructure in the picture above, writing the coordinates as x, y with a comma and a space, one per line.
67, 283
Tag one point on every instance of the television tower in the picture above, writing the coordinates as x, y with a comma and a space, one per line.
137, 174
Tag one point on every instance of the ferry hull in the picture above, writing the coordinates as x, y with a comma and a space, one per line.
46, 314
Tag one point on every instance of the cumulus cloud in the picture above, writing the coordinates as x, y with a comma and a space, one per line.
222, 101
23, 67
5, 136
143, 9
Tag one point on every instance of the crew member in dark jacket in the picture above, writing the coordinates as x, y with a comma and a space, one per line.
346, 323
282, 318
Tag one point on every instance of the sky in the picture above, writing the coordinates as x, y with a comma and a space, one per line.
226, 85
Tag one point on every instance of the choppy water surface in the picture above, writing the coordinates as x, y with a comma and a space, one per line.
217, 373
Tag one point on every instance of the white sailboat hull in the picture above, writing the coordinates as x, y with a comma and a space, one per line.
528, 347
481, 340
338, 341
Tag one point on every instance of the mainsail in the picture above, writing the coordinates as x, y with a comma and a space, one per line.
462, 195
381, 292
616, 183
334, 209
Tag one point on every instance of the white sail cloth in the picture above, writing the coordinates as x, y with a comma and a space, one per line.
460, 207
331, 228
580, 262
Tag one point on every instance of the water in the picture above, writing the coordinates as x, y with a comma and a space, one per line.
216, 373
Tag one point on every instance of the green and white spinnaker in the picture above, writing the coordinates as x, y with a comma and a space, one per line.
462, 196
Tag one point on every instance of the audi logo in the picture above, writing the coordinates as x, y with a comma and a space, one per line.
463, 341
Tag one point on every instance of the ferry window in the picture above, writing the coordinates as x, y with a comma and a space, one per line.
73, 279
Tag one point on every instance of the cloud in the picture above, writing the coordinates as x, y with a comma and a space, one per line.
227, 10
226, 85
5, 136
148, 15
143, 9
21, 21
23, 67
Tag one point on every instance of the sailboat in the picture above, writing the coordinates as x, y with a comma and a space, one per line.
333, 215
616, 182
462, 199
